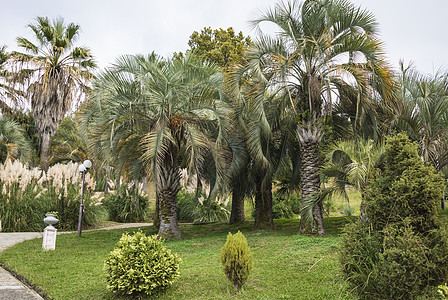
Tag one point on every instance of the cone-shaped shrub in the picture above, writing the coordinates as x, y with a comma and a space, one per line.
140, 264
398, 251
236, 259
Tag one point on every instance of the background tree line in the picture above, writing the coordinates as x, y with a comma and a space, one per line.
242, 115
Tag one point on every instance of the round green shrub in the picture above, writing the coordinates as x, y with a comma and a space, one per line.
141, 264
236, 259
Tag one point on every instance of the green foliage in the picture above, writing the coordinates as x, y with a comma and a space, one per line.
127, 206
67, 207
141, 264
398, 251
22, 210
236, 259
195, 209
285, 206
348, 210
220, 46
404, 187
26, 121
68, 143
442, 290
26, 195
13, 141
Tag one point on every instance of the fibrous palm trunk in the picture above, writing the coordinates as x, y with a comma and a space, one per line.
263, 202
168, 180
50, 102
310, 134
237, 212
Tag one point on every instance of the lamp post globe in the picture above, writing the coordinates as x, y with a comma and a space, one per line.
82, 168
87, 163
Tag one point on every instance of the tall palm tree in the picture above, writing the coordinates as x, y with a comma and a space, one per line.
57, 72
325, 50
158, 113
9, 93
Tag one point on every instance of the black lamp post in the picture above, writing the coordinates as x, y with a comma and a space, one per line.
83, 168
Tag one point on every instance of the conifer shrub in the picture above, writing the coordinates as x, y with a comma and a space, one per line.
398, 251
141, 265
236, 259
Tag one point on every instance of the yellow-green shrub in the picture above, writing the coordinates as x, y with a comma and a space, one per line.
236, 259
140, 264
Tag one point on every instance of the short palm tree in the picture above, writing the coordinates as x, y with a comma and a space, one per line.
13, 141
424, 113
351, 163
57, 73
68, 143
324, 51
160, 113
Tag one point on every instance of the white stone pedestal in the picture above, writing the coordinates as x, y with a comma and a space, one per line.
49, 241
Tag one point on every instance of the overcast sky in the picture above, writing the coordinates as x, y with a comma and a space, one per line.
412, 30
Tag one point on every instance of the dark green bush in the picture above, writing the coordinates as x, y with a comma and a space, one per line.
141, 264
285, 206
236, 259
191, 210
128, 206
398, 251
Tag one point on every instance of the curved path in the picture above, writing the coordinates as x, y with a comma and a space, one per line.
12, 288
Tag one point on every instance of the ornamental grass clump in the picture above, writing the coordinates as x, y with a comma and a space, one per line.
398, 250
141, 265
236, 259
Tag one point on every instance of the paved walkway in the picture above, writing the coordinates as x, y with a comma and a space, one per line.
10, 287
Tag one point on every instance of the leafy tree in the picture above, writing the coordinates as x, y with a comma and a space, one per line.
223, 47
155, 113
325, 50
57, 72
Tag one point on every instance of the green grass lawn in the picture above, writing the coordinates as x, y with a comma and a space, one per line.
286, 266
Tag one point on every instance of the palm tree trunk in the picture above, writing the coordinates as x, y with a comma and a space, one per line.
45, 150
310, 134
237, 212
156, 221
106, 178
168, 180
263, 202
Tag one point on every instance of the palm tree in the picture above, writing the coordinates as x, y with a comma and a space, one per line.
351, 163
324, 51
9, 92
68, 143
424, 113
13, 143
157, 113
57, 73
